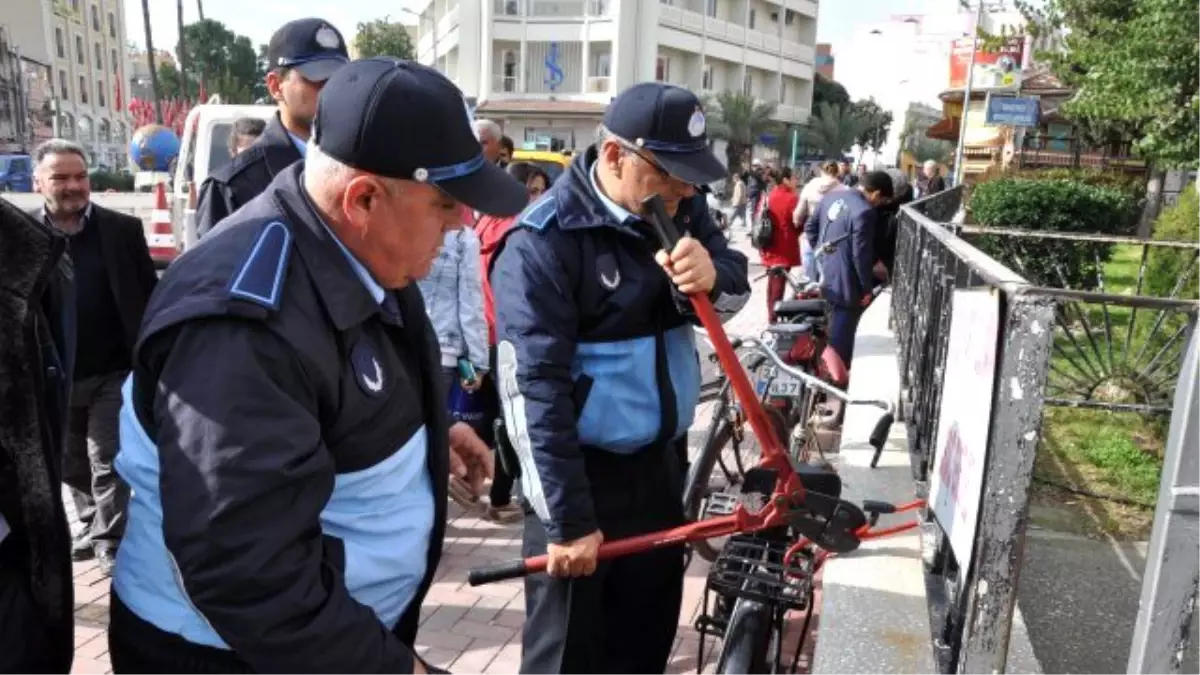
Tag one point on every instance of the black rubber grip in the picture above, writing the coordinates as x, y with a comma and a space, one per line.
656, 212
510, 569
872, 506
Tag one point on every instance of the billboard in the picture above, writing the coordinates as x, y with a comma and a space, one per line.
998, 68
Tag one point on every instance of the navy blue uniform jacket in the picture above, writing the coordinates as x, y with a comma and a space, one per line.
595, 346
245, 176
285, 438
846, 274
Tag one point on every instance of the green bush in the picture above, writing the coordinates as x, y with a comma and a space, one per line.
1056, 205
120, 181
1165, 266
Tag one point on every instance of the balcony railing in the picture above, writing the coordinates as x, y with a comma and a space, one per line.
596, 84
549, 9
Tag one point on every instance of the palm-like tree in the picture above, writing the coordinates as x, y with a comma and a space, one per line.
150, 61
740, 121
833, 129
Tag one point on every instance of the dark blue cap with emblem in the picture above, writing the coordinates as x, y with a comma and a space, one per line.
669, 122
400, 119
312, 46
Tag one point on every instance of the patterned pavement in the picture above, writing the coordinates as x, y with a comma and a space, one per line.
464, 629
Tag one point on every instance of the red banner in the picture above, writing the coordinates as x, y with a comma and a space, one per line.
174, 111
994, 69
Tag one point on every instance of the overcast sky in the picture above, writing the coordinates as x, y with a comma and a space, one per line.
836, 23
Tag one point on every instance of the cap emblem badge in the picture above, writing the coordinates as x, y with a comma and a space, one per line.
327, 38
696, 124
421, 174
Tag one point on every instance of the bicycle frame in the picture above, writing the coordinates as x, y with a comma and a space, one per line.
783, 504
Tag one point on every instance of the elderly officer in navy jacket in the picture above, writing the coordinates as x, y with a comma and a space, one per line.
599, 378
284, 429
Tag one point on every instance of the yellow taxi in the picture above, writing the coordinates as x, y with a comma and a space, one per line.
553, 163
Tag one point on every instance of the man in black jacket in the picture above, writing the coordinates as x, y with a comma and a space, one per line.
36, 342
115, 277
300, 57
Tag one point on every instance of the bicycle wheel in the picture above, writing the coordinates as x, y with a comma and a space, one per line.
698, 487
746, 646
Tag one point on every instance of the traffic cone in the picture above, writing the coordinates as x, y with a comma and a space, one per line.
163, 247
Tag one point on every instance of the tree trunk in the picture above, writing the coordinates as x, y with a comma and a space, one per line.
181, 52
200, 8
150, 61
1154, 194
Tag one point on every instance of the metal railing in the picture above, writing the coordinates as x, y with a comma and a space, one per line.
1041, 337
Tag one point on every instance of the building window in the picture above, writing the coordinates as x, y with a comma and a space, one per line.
83, 89
710, 8
80, 58
74, 5
58, 43
95, 18
783, 92
706, 82
99, 54
100, 94
508, 81
63, 91
511, 8
748, 84
753, 18
112, 25
112, 54
662, 69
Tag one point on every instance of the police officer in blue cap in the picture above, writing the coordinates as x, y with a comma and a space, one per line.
284, 428
300, 58
599, 377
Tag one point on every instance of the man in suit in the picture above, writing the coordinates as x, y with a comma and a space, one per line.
114, 277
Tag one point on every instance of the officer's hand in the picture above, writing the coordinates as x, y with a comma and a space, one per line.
574, 558
470, 458
689, 266
473, 385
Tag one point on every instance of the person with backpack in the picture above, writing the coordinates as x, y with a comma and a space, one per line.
782, 247
823, 183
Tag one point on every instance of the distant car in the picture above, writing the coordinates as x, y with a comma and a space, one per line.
553, 163
16, 173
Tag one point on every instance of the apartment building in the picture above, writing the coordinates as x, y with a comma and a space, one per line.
546, 69
80, 48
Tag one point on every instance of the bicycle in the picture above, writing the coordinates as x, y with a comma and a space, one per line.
801, 520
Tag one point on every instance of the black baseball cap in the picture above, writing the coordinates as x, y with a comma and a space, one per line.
400, 119
312, 46
668, 121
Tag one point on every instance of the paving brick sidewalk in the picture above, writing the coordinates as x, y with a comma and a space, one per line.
467, 630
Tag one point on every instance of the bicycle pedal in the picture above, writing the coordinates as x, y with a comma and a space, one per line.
720, 504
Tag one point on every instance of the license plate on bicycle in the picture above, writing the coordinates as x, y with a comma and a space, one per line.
782, 384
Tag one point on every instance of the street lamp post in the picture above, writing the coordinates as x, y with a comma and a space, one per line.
966, 103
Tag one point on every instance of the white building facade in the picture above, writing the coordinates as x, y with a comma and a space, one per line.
546, 69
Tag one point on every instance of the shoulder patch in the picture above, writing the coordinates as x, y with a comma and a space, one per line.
539, 214
260, 277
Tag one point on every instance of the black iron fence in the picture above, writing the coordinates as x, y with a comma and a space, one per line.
1105, 348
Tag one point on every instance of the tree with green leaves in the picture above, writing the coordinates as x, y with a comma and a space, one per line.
382, 37
833, 130
740, 121
229, 62
876, 122
828, 91
1134, 69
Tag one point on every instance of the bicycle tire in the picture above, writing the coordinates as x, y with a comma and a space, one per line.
747, 640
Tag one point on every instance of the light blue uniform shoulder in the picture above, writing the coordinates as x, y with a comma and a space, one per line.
540, 214
259, 278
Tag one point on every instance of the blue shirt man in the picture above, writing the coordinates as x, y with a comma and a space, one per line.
284, 430
599, 378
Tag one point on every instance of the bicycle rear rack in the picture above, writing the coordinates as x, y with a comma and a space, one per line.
752, 567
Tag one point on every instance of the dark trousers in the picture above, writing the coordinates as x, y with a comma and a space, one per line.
25, 644
500, 493
623, 618
843, 324
100, 496
138, 646
776, 287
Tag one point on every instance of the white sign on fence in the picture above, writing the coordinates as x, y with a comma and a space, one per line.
957, 476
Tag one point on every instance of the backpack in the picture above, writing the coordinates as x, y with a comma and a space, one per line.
762, 231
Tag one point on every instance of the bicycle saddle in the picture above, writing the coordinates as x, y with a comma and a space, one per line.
790, 309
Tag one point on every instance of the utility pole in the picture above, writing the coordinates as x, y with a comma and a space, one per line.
181, 51
962, 127
200, 8
150, 61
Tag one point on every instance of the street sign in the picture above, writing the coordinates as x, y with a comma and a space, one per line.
1012, 112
